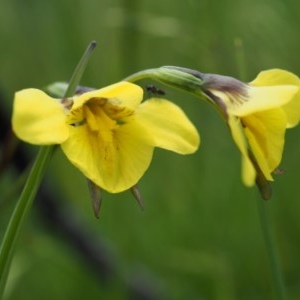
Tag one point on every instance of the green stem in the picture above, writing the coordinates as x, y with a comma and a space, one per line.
33, 182
21, 211
182, 79
145, 74
277, 279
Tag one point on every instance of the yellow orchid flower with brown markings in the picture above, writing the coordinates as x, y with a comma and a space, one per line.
258, 114
108, 134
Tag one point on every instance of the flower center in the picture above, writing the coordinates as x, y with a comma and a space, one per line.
100, 113
96, 117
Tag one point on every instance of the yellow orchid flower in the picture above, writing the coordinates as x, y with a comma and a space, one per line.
258, 114
108, 134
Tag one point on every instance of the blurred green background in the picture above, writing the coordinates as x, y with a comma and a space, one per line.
199, 236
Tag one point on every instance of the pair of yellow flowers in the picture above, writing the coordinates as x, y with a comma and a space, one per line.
110, 134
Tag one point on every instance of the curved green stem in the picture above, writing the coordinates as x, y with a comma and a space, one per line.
33, 182
173, 77
182, 79
145, 74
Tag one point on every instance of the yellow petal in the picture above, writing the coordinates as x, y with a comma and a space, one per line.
264, 98
116, 163
248, 170
265, 133
281, 77
259, 155
275, 77
128, 94
292, 111
39, 119
168, 125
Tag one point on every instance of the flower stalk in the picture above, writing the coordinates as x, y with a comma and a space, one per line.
276, 273
21, 211
28, 194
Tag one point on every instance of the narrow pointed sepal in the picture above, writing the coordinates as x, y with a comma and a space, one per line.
96, 197
137, 195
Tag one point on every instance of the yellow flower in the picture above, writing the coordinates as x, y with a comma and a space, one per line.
108, 134
258, 114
